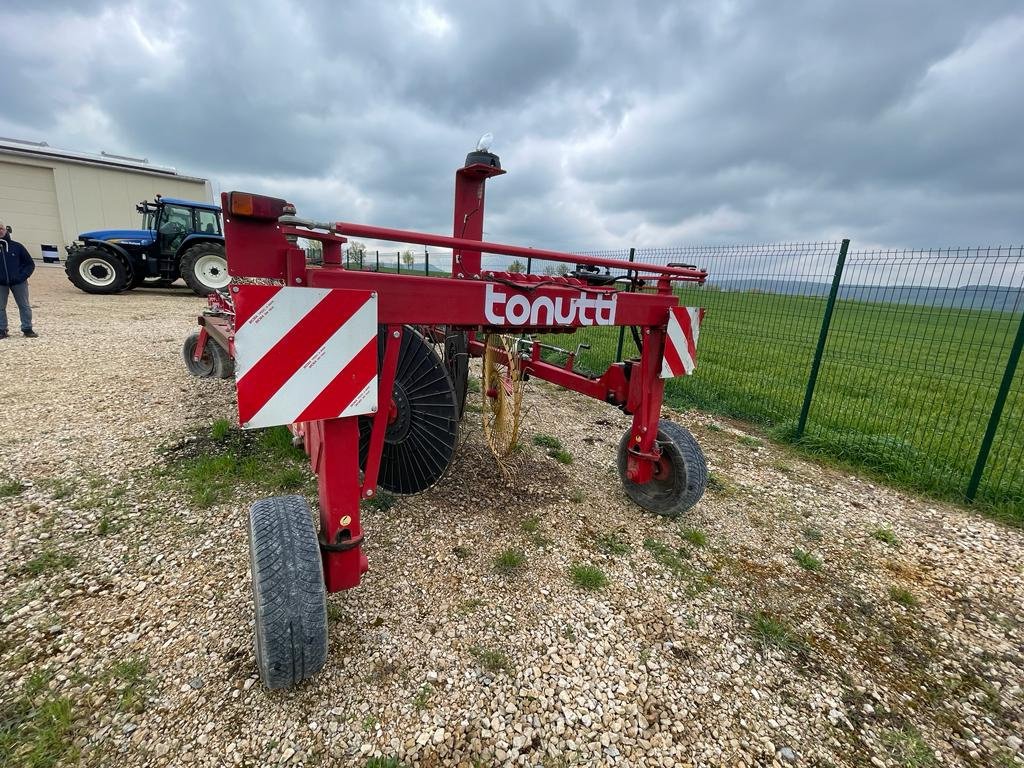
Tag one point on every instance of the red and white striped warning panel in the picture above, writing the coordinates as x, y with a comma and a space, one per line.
303, 354
681, 341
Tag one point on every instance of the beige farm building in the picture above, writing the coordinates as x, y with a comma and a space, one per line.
48, 196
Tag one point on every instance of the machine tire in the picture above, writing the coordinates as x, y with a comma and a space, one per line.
196, 265
288, 591
215, 362
684, 478
95, 270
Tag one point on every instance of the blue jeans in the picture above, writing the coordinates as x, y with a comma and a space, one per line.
20, 292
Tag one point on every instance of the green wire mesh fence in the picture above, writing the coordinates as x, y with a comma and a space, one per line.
916, 369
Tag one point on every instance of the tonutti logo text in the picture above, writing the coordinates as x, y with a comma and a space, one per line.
500, 308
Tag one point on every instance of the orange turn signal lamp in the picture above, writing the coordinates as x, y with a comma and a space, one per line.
248, 205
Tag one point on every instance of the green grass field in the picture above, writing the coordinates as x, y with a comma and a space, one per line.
904, 391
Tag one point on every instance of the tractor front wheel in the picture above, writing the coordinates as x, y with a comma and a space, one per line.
680, 476
288, 591
205, 268
95, 270
213, 363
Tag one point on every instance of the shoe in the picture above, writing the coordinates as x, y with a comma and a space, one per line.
3, 334
30, 334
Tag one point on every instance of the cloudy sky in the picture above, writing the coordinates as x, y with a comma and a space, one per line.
895, 123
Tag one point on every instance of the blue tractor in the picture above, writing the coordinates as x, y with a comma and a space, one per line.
179, 238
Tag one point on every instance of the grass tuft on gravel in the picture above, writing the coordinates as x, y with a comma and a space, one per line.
509, 562
588, 577
807, 561
749, 441
772, 631
383, 762
720, 485
36, 727
10, 488
491, 659
49, 560
674, 560
907, 747
554, 448
886, 536
812, 534
211, 470
904, 597
611, 544
219, 429
694, 536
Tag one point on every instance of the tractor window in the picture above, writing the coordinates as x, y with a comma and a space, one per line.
175, 214
207, 222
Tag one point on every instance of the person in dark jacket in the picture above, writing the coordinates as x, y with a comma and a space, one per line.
15, 268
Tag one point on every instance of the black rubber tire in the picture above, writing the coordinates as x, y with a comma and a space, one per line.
215, 362
100, 258
138, 279
288, 591
685, 478
187, 267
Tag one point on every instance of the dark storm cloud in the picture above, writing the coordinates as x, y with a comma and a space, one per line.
620, 123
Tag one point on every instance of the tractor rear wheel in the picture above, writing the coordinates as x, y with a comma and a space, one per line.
214, 362
680, 476
288, 591
95, 270
205, 268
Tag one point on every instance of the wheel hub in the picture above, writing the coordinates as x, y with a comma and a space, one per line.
212, 271
96, 272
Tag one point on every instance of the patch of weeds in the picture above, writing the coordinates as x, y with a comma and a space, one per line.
885, 535
461, 551
107, 525
368, 723
553, 447
530, 524
509, 562
807, 561
568, 632
335, 612
422, 697
383, 762
904, 597
474, 408
783, 467
132, 685
577, 497
49, 560
712, 427
211, 470
220, 429
382, 501
907, 747
10, 488
666, 556
720, 485
750, 441
811, 533
57, 487
611, 544
473, 384
588, 577
771, 631
490, 659
694, 536
470, 605
36, 727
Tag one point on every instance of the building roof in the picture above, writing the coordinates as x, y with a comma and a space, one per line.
40, 150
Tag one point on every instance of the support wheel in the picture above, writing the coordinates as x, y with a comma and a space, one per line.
95, 270
215, 362
680, 477
288, 591
205, 268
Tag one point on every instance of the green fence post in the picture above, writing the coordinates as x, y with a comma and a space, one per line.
622, 328
997, 412
826, 321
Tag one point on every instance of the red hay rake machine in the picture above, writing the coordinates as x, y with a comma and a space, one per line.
349, 361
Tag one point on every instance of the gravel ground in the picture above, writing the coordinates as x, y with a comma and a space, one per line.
800, 615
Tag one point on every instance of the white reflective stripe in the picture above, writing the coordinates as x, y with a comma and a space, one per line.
694, 324
271, 323
360, 404
666, 371
678, 340
323, 366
